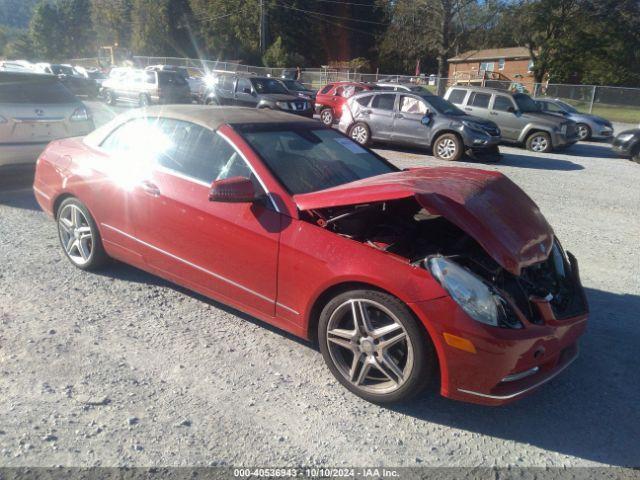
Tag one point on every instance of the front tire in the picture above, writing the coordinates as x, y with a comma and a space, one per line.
327, 117
110, 98
448, 146
539, 142
360, 133
144, 100
373, 346
79, 235
584, 132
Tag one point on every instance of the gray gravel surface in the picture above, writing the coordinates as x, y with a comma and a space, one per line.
122, 368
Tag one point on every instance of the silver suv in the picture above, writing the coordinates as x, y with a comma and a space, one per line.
519, 117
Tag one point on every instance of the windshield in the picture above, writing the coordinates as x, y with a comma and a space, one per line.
307, 159
442, 106
526, 103
267, 85
62, 70
294, 85
567, 107
38, 91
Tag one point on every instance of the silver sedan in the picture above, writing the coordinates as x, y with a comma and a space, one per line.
588, 126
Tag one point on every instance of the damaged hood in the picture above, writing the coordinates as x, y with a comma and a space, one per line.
486, 205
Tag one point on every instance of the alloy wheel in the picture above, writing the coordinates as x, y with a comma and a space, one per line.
369, 346
583, 132
359, 134
75, 234
446, 148
539, 143
326, 116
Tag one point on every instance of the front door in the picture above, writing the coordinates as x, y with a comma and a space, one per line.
244, 96
382, 115
408, 126
503, 112
226, 249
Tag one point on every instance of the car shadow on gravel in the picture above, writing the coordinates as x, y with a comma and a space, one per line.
22, 198
590, 411
589, 150
123, 271
536, 162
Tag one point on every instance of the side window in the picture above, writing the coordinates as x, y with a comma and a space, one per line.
326, 89
230, 164
226, 83
190, 152
150, 77
412, 105
364, 100
138, 142
502, 103
384, 101
480, 100
550, 106
243, 83
457, 96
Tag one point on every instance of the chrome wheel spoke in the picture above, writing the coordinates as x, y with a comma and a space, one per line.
360, 317
386, 344
389, 369
357, 364
84, 248
362, 375
387, 329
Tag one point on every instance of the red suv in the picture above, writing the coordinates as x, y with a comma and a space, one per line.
332, 96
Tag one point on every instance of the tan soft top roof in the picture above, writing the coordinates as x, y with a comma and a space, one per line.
210, 117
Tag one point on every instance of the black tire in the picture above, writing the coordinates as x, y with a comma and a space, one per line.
96, 256
635, 154
360, 133
144, 100
539, 142
415, 340
212, 102
327, 117
584, 132
110, 98
448, 146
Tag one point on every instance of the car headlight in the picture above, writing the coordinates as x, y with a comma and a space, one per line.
625, 137
283, 105
473, 126
475, 297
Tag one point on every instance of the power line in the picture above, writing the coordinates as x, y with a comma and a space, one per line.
339, 25
332, 16
348, 3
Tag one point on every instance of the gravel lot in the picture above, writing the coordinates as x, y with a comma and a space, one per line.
122, 368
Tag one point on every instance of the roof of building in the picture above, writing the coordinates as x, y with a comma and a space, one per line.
492, 53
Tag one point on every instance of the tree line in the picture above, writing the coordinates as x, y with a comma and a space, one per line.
571, 41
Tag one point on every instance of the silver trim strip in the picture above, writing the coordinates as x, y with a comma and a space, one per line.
38, 119
287, 308
175, 173
193, 265
264, 187
37, 190
528, 389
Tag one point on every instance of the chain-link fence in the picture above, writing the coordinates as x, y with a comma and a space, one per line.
614, 103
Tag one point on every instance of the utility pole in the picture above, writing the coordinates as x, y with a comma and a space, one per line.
263, 26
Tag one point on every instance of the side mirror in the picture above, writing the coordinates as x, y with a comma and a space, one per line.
246, 90
232, 190
511, 110
426, 120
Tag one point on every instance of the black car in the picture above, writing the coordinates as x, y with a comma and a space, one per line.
627, 144
74, 81
256, 92
297, 88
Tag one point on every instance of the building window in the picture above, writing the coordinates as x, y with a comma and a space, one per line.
501, 64
487, 66
530, 67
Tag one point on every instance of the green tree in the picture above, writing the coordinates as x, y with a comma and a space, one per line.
150, 27
20, 47
46, 32
277, 56
112, 21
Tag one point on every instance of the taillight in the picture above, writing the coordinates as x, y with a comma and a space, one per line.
80, 115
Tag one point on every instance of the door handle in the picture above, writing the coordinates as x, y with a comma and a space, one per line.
399, 115
493, 113
467, 109
366, 112
150, 188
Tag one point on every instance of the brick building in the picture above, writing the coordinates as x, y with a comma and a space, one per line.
512, 64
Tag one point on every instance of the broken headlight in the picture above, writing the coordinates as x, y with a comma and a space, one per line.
473, 295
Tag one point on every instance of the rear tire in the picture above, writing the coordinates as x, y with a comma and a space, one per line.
110, 98
211, 101
448, 146
635, 154
377, 366
144, 100
79, 236
360, 133
539, 142
326, 116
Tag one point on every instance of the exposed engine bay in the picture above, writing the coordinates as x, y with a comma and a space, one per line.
404, 228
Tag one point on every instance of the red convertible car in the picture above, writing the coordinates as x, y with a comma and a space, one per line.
401, 276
